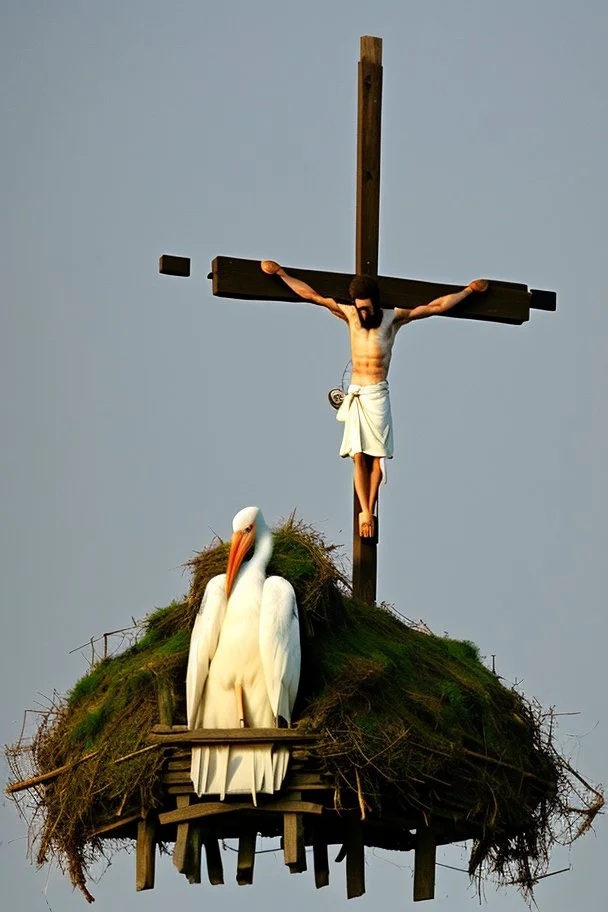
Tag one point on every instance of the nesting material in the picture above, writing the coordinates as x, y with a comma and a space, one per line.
412, 726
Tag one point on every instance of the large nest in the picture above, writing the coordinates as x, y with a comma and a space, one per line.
410, 724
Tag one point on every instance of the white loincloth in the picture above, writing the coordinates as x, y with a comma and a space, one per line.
368, 424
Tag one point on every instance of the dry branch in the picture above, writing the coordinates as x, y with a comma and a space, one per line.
42, 778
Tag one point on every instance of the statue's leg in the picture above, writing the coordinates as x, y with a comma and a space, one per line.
374, 482
363, 466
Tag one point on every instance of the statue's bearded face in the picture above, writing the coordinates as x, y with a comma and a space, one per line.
370, 315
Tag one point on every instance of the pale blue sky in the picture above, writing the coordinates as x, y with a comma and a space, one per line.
139, 413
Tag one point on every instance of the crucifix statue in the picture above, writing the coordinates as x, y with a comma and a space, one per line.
499, 302
366, 411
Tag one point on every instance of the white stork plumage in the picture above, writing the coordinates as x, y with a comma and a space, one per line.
243, 665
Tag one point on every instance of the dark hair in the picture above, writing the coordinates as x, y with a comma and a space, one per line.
364, 286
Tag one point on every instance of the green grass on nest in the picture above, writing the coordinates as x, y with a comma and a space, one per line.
410, 722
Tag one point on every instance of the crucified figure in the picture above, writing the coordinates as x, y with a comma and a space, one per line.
366, 411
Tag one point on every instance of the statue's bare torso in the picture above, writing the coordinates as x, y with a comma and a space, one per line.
371, 349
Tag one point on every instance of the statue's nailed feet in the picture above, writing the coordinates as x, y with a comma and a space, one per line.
366, 524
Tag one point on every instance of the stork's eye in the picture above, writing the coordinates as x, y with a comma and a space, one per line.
249, 528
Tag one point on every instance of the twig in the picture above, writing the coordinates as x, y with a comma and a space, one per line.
582, 781
142, 750
47, 777
477, 756
360, 796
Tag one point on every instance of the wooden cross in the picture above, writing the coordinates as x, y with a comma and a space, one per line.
505, 302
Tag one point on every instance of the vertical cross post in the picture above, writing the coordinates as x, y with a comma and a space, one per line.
366, 255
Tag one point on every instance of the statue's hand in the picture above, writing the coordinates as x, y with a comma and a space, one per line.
270, 267
479, 285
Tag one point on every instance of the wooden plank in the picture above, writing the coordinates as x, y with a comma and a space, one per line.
294, 850
320, 858
303, 771
229, 735
424, 864
307, 781
145, 853
180, 849
355, 860
215, 870
210, 808
505, 302
183, 787
246, 858
297, 775
174, 265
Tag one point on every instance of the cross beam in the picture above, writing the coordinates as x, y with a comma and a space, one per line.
505, 302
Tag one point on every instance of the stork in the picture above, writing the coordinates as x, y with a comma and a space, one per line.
243, 665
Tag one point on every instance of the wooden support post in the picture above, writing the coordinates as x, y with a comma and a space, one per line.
294, 850
355, 860
424, 864
215, 870
369, 124
319, 854
145, 853
166, 702
246, 858
193, 855
369, 120
180, 851
365, 558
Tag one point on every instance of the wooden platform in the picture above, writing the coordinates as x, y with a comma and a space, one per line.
306, 815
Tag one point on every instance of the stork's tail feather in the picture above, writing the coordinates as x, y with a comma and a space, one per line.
239, 770
280, 762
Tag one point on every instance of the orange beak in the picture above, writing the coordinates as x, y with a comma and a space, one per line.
239, 546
